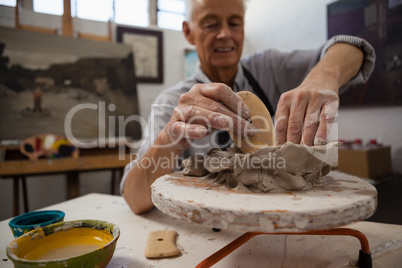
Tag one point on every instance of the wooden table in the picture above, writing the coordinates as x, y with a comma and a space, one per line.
197, 242
17, 167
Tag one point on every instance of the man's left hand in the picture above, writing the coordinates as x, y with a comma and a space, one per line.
305, 114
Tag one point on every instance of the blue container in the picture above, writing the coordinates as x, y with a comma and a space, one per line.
35, 219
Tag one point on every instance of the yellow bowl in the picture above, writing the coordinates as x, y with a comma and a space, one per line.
81, 243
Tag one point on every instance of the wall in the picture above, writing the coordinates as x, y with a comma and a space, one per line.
285, 24
280, 24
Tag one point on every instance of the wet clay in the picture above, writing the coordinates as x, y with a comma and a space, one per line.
267, 169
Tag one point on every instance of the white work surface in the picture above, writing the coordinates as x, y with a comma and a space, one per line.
197, 242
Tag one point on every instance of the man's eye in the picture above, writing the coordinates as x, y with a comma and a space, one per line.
235, 24
210, 25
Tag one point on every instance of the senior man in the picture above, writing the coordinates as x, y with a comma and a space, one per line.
303, 86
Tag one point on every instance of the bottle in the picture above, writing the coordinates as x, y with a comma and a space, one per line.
372, 144
357, 144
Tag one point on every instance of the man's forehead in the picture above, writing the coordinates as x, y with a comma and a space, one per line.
225, 3
215, 16
209, 7
201, 1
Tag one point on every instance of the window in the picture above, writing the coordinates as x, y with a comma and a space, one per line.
171, 14
10, 3
100, 10
54, 7
131, 12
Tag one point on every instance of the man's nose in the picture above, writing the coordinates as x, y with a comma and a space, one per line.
224, 32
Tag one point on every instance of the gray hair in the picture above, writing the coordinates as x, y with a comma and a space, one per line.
189, 8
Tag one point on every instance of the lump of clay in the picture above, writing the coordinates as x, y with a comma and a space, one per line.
272, 168
194, 166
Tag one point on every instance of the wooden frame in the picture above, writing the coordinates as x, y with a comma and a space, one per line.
148, 52
18, 25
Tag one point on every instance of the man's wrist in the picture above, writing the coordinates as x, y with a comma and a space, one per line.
325, 77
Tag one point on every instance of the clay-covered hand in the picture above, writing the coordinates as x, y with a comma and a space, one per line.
305, 114
204, 108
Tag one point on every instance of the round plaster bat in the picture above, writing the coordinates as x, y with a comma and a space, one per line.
261, 120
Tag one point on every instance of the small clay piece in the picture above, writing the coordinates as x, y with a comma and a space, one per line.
194, 166
161, 244
261, 120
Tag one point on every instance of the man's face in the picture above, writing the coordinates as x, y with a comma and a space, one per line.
217, 31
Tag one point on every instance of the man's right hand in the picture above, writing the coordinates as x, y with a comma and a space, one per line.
204, 108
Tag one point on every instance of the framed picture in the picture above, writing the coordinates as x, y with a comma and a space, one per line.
148, 54
381, 27
56, 85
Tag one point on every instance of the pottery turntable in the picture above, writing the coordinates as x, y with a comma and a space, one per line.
339, 200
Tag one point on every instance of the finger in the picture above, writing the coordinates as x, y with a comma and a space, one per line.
297, 112
180, 130
281, 120
311, 122
205, 96
327, 117
207, 108
224, 94
213, 120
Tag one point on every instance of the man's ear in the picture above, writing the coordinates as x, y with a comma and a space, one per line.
187, 32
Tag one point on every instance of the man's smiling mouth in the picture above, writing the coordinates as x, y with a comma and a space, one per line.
224, 49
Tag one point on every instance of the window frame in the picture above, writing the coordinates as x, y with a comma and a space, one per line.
157, 10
